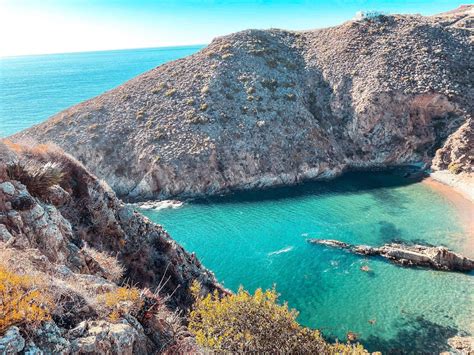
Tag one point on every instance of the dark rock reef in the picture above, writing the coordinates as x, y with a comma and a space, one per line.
439, 258
262, 108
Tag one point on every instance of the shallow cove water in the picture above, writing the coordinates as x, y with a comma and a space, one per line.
258, 239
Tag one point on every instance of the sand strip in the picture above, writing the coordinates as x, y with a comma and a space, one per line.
462, 203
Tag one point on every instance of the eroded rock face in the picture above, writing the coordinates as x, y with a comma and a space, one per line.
12, 342
87, 211
262, 108
44, 237
89, 337
457, 154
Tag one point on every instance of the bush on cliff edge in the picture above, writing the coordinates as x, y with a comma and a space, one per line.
244, 322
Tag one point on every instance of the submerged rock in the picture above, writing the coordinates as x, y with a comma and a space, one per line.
439, 258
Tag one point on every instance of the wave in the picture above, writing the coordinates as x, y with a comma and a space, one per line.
281, 251
159, 205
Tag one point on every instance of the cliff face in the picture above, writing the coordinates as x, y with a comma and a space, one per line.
457, 153
43, 234
261, 108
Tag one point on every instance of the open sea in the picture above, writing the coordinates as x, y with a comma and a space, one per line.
32, 88
258, 239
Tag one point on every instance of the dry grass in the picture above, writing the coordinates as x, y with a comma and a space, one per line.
121, 301
110, 264
25, 296
65, 294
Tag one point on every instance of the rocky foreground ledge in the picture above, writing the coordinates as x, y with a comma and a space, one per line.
438, 258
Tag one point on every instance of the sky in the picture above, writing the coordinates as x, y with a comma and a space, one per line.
62, 26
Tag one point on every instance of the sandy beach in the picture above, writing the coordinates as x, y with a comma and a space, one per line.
461, 198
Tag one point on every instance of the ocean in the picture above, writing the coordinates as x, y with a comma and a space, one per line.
32, 88
259, 240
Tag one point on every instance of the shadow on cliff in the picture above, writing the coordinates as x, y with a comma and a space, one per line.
417, 335
376, 183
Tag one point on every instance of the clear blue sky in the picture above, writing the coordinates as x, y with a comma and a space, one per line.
52, 26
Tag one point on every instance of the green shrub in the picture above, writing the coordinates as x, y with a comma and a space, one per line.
243, 322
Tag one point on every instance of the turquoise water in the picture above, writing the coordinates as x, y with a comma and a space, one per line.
257, 239
32, 88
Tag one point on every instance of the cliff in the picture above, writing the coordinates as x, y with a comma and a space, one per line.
269, 107
104, 278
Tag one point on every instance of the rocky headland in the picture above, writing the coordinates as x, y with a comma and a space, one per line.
261, 108
112, 281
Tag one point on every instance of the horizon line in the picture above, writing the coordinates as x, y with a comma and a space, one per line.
101, 50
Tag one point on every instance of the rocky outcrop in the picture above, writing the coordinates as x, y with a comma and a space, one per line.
87, 211
263, 108
89, 337
12, 342
81, 244
457, 153
439, 258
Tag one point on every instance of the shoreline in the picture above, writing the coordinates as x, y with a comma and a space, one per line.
463, 184
460, 197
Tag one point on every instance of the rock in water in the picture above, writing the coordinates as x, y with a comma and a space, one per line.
262, 108
439, 258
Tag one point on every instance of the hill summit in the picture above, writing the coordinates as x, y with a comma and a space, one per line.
261, 108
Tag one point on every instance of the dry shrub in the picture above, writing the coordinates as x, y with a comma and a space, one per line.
37, 177
121, 301
23, 300
454, 168
167, 327
111, 266
243, 322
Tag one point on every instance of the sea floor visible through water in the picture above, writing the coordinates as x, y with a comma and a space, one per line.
259, 239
